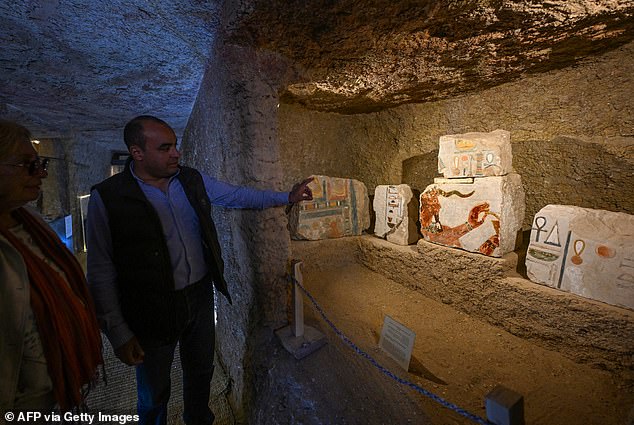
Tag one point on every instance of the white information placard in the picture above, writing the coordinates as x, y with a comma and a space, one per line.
68, 225
397, 341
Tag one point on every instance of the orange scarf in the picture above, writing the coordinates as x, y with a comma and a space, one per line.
64, 313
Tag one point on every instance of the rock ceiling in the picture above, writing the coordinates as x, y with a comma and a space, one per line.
360, 56
81, 65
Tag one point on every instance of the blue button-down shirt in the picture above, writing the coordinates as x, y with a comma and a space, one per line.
182, 235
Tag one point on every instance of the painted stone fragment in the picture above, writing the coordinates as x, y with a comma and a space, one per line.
475, 154
584, 251
478, 215
395, 208
340, 207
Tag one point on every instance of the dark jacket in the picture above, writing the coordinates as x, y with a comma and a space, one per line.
150, 305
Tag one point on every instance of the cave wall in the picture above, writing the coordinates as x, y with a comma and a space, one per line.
87, 157
572, 133
54, 201
566, 126
78, 162
232, 134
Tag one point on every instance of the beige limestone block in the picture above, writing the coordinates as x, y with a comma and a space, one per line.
340, 207
475, 154
478, 215
395, 208
584, 251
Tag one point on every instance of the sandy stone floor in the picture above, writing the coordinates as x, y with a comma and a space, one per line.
456, 357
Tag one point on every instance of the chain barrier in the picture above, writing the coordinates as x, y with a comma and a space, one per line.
384, 370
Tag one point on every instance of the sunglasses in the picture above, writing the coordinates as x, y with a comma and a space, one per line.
34, 167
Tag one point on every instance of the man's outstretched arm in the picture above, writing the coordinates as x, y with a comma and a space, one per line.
232, 196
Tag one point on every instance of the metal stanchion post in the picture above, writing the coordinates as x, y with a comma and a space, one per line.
298, 339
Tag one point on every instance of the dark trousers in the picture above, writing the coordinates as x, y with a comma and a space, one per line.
196, 342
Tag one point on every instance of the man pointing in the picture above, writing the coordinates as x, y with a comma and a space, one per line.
153, 253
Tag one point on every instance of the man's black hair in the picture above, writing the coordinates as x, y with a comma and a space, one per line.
133, 131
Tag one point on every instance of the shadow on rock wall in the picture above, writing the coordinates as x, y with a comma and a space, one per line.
419, 171
573, 172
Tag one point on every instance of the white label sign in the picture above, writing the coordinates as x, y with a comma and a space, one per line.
397, 341
68, 224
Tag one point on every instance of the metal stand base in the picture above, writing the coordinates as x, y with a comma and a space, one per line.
505, 407
301, 346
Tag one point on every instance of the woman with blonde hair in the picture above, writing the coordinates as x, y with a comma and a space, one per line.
50, 345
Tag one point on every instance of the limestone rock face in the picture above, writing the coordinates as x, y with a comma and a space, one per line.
475, 154
478, 215
584, 251
103, 62
364, 56
340, 207
395, 207
357, 56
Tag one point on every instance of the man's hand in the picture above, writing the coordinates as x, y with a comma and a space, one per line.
301, 192
131, 352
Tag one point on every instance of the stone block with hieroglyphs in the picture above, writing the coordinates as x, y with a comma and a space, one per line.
584, 251
340, 207
395, 208
478, 215
475, 154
